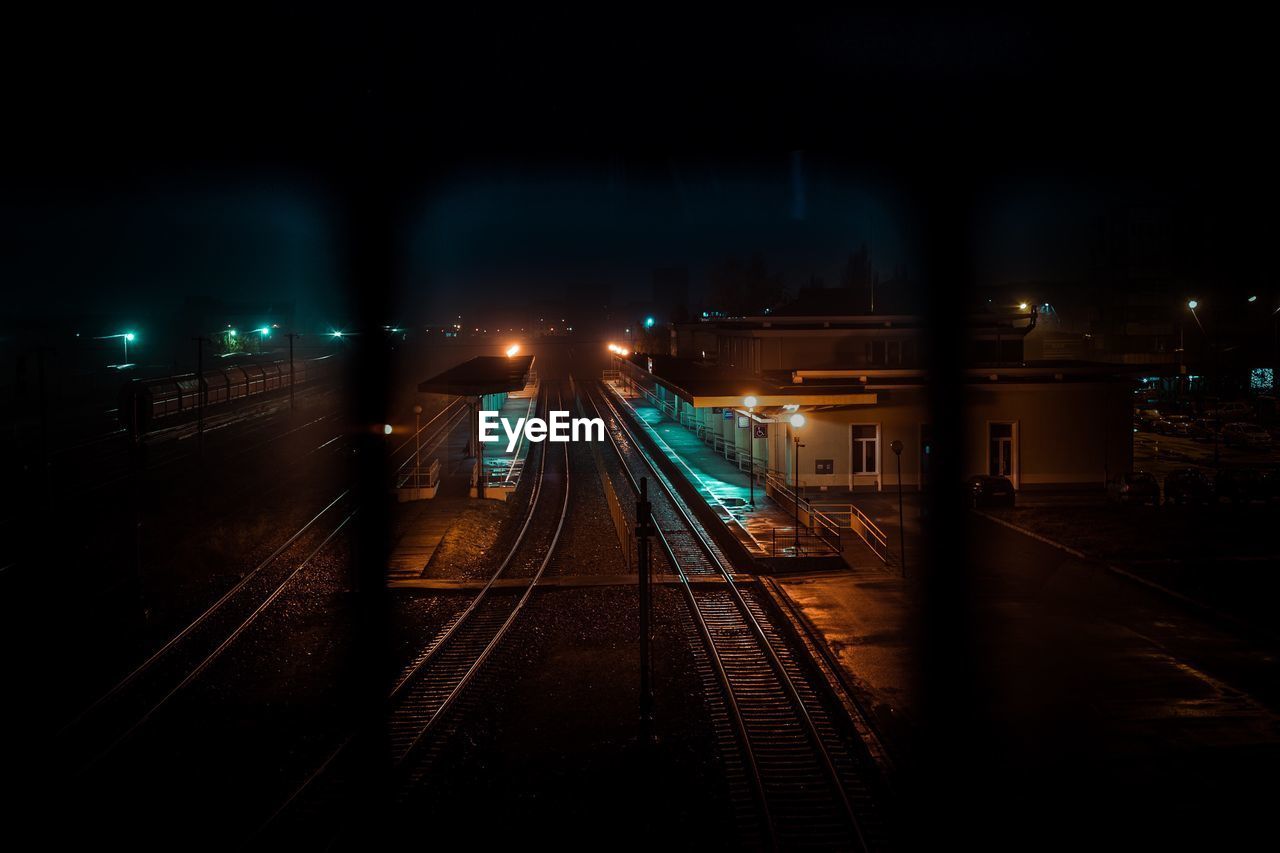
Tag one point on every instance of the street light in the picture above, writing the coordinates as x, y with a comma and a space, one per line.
797, 421
750, 402
512, 350
125, 338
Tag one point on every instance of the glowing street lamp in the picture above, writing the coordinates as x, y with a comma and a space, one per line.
512, 350
797, 421
648, 322
751, 402
125, 338
1193, 304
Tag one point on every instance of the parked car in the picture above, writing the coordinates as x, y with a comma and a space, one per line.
1172, 425
1246, 435
1231, 411
1137, 487
1188, 486
1242, 485
1144, 419
1203, 429
984, 490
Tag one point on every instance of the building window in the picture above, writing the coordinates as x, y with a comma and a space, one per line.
866, 448
1000, 450
875, 353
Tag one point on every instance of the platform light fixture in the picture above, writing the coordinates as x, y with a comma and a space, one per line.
797, 420
750, 401
512, 350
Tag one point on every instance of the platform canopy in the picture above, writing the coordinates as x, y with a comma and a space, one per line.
484, 374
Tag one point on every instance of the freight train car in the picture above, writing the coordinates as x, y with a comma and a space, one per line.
146, 403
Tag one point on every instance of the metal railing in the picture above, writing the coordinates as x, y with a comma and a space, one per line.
857, 521
823, 528
798, 542
418, 477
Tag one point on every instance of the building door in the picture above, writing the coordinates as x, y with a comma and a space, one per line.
1000, 451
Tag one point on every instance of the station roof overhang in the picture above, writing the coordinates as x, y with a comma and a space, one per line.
484, 374
809, 389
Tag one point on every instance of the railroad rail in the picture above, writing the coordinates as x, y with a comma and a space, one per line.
808, 787
118, 714
441, 673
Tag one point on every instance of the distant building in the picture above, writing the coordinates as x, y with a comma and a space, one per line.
860, 381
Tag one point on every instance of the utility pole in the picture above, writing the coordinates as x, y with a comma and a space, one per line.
417, 446
644, 529
795, 488
200, 395
896, 447
291, 336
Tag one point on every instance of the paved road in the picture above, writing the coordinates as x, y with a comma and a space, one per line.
1112, 702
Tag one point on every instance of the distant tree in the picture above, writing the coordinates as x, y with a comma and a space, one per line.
745, 288
860, 278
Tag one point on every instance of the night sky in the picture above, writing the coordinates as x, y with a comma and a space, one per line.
153, 159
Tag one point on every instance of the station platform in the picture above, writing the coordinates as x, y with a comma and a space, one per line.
724, 487
502, 468
763, 527
420, 526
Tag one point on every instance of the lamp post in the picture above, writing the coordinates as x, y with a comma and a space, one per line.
291, 336
125, 338
896, 447
201, 340
1192, 305
797, 421
750, 402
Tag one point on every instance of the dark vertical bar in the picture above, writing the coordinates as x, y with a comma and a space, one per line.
644, 530
200, 394
952, 770
367, 213
292, 380
46, 484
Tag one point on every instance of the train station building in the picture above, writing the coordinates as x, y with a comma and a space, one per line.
858, 383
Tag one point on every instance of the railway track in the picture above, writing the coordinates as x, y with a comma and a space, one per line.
439, 676
786, 747
122, 711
